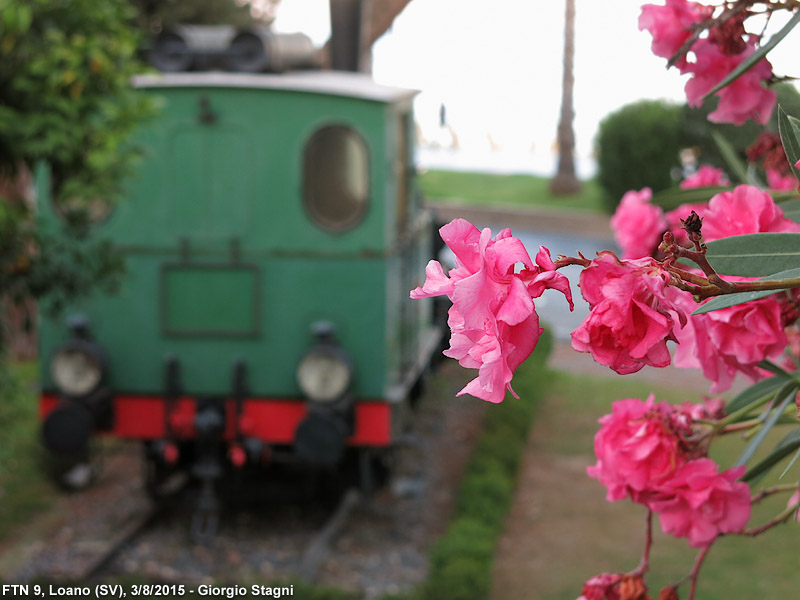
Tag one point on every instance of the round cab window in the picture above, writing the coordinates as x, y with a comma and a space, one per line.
336, 177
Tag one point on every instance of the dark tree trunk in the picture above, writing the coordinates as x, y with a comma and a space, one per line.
565, 182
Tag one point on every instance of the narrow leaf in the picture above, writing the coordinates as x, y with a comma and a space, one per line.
784, 448
753, 178
756, 56
791, 463
735, 164
770, 366
728, 300
785, 395
791, 209
755, 254
750, 397
675, 197
783, 196
790, 140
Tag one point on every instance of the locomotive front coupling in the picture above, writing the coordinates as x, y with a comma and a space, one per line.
325, 376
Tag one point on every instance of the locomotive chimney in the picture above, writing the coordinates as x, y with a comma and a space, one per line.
348, 35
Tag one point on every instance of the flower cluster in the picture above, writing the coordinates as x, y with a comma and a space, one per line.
615, 586
735, 339
644, 452
493, 322
630, 317
638, 224
643, 304
710, 59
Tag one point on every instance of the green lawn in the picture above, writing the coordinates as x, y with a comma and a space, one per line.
576, 534
508, 190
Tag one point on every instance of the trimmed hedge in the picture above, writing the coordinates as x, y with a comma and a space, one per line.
461, 561
638, 146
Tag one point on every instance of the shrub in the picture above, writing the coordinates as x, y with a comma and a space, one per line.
638, 146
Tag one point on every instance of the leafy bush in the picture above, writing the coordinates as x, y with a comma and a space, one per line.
638, 146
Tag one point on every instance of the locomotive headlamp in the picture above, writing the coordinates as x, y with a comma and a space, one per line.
324, 374
326, 371
75, 371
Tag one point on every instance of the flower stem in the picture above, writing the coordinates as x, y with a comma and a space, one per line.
776, 489
565, 261
698, 562
644, 564
784, 516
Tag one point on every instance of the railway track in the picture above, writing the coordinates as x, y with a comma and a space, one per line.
111, 532
81, 530
86, 536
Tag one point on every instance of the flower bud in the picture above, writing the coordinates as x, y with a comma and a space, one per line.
632, 587
693, 223
668, 593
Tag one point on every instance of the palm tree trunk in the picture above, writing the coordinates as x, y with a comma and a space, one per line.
565, 182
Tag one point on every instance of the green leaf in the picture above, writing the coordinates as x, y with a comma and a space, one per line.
750, 397
790, 137
785, 395
736, 165
770, 366
782, 449
791, 464
754, 58
673, 198
728, 300
755, 254
791, 209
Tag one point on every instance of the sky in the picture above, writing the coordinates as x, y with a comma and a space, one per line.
497, 68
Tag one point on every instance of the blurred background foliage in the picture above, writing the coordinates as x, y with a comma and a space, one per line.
67, 101
640, 144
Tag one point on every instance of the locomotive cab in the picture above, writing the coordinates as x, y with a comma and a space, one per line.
271, 236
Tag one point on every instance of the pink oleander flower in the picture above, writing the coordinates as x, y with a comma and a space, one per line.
705, 176
493, 321
699, 503
733, 339
637, 224
777, 181
639, 447
630, 319
670, 25
744, 210
602, 587
709, 409
729, 341
745, 98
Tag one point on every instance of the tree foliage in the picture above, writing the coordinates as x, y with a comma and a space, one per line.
67, 101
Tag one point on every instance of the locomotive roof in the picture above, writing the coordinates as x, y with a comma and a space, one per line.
336, 83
